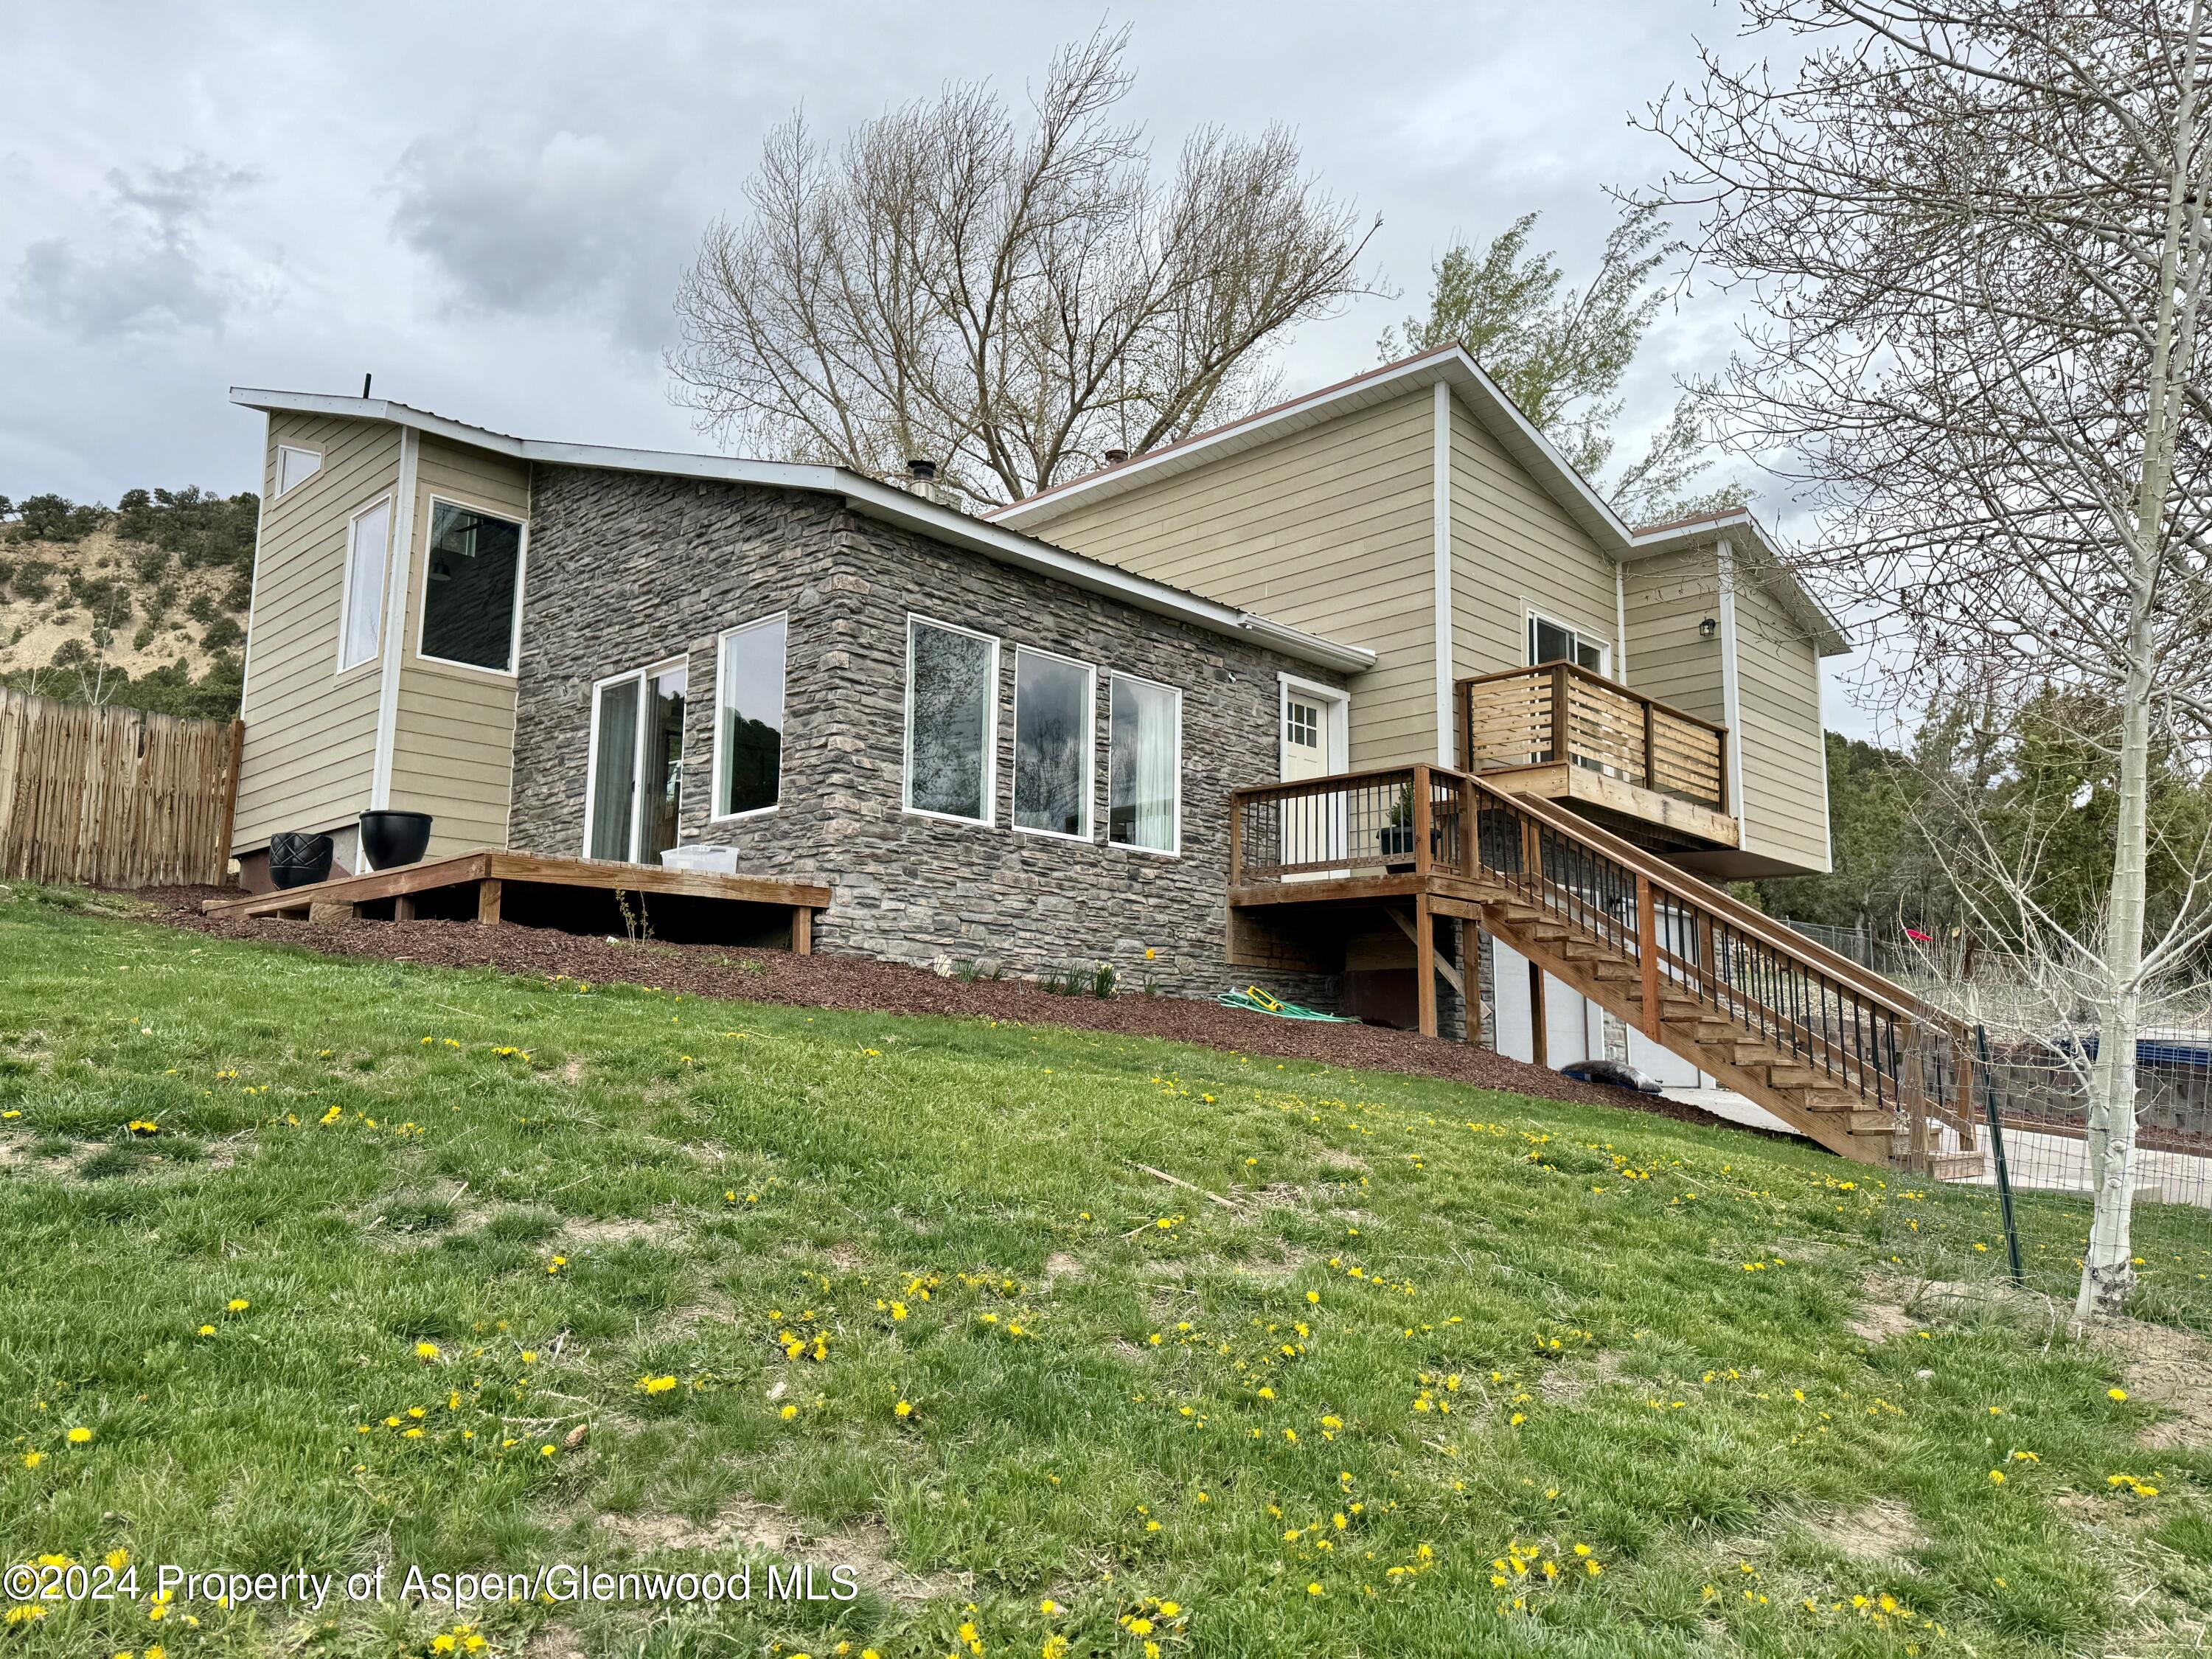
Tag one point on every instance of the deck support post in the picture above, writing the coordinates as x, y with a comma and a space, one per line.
1647, 952
403, 907
802, 930
1425, 963
1470, 977
490, 893
1539, 1037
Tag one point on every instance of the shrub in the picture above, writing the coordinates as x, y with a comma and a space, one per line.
51, 517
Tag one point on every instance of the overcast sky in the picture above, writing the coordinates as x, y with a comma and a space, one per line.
488, 205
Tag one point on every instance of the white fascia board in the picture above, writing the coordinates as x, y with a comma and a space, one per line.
865, 495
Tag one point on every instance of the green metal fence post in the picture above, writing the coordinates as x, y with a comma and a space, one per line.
1997, 1151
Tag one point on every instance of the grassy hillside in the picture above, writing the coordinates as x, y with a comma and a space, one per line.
347, 1265
144, 604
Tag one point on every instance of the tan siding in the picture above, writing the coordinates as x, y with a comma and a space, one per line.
453, 752
1665, 598
1785, 760
1514, 549
1330, 529
310, 732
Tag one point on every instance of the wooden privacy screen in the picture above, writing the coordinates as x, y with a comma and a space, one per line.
114, 797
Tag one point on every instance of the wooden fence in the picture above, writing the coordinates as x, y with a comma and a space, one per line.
114, 797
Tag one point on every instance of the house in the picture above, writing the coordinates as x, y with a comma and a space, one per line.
1367, 699
1664, 682
991, 749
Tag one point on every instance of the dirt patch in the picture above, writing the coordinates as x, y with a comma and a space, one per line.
865, 1546
2170, 1369
861, 983
1568, 1383
1059, 1267
621, 1230
555, 1642
1883, 1528
1878, 1320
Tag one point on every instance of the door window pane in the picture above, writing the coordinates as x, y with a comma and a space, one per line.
366, 542
750, 694
475, 569
1144, 764
951, 686
614, 771
664, 763
1302, 724
1052, 744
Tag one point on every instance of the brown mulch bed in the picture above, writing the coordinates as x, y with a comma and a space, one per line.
865, 984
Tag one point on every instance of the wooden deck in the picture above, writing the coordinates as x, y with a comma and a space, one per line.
1840, 1055
487, 884
1560, 732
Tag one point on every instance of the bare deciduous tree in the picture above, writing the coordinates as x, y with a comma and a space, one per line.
1009, 304
1975, 234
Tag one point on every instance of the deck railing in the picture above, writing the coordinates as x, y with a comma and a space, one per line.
1557, 711
1689, 942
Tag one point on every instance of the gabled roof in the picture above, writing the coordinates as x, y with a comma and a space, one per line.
1493, 410
867, 497
1451, 365
1766, 566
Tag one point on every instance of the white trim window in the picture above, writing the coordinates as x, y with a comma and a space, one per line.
295, 466
951, 721
1144, 765
1552, 641
471, 588
749, 678
1055, 736
633, 777
361, 609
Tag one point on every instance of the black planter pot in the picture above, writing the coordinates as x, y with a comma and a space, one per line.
389, 837
298, 858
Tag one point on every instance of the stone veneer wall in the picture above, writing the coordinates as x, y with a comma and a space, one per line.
628, 570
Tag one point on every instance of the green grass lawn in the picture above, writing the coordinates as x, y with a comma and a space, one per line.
473, 1271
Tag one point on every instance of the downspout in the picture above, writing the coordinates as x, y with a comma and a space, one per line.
253, 582
1731, 686
1447, 747
387, 694
1620, 623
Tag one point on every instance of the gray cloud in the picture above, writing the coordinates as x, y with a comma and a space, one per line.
562, 223
145, 272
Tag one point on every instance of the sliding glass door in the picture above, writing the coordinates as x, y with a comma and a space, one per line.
636, 791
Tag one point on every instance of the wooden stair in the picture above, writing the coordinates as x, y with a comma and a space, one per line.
1794, 1068
1851, 1060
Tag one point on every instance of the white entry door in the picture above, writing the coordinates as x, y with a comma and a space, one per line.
1312, 738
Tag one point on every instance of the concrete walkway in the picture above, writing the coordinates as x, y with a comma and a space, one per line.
2035, 1163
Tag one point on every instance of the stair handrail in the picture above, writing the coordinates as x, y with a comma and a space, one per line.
1682, 886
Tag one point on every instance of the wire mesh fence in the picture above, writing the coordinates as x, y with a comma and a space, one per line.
2012, 1201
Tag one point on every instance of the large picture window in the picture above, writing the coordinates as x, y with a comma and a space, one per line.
1052, 744
360, 621
1144, 765
951, 721
470, 581
748, 718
